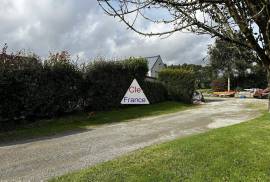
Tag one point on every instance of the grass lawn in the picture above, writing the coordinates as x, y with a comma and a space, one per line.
81, 121
236, 153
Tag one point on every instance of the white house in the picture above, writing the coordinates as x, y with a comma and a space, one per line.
155, 64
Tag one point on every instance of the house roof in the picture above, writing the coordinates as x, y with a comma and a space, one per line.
151, 61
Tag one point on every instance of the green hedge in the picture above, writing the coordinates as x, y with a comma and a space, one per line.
107, 81
179, 82
155, 92
32, 89
60, 88
19, 82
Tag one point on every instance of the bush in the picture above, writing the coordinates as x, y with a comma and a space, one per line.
155, 92
218, 85
18, 86
253, 80
179, 82
30, 90
60, 86
108, 81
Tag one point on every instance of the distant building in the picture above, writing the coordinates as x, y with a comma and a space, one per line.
155, 64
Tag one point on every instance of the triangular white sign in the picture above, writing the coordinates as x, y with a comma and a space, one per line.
134, 95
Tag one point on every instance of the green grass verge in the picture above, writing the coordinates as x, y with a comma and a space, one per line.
236, 153
81, 121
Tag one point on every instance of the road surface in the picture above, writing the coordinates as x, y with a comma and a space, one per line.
44, 158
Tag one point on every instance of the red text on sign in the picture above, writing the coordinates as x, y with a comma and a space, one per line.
134, 90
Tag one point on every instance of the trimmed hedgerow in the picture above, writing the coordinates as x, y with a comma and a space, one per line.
179, 82
154, 91
107, 81
18, 87
32, 89
60, 86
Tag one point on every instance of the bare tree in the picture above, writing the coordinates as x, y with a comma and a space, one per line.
242, 22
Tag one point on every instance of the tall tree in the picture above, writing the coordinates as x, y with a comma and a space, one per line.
242, 22
230, 59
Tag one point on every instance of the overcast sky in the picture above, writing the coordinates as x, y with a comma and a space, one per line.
82, 28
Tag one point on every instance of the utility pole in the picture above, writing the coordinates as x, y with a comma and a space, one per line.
229, 83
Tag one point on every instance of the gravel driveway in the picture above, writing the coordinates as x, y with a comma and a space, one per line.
45, 158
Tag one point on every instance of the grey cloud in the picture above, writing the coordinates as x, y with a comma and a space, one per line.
82, 28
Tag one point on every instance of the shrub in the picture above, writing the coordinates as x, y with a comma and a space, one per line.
108, 81
179, 82
31, 90
218, 85
60, 86
18, 86
154, 91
